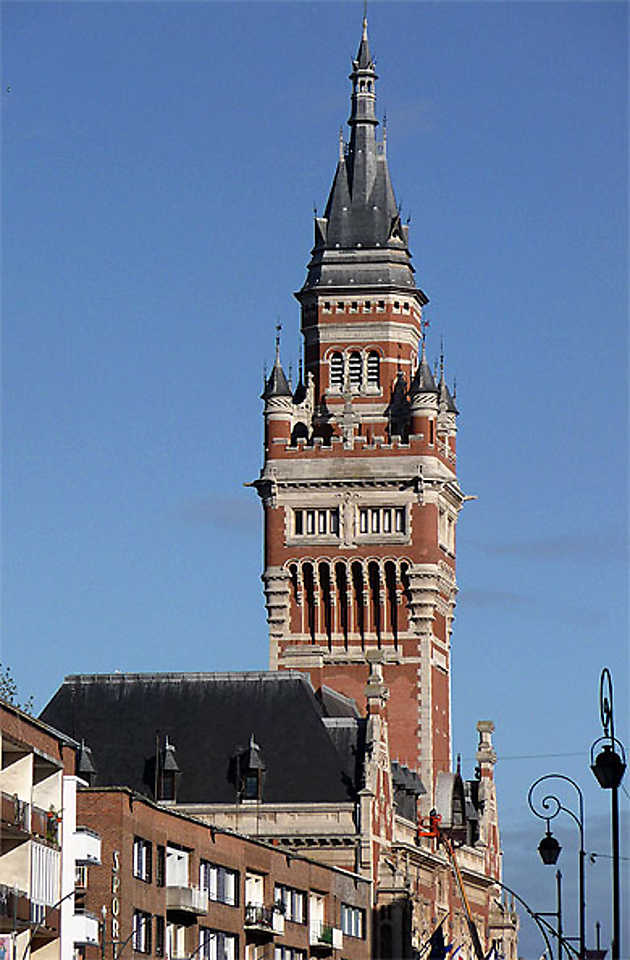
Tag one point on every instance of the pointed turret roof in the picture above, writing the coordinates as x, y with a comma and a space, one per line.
423, 381
444, 393
360, 239
277, 384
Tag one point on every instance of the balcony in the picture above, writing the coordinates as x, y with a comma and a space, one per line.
87, 847
46, 924
323, 938
15, 909
85, 929
15, 817
188, 900
263, 921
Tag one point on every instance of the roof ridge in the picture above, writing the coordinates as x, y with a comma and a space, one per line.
195, 676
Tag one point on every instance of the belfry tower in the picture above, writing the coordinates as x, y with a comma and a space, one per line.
359, 483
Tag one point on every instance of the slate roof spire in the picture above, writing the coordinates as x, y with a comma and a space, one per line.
360, 238
423, 381
277, 384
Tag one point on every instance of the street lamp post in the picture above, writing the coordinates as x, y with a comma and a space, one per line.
609, 768
549, 848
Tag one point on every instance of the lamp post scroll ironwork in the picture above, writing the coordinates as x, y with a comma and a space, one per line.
609, 768
549, 848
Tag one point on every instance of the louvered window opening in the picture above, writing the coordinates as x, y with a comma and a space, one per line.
355, 370
373, 370
336, 371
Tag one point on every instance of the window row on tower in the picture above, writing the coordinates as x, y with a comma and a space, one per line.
355, 370
370, 521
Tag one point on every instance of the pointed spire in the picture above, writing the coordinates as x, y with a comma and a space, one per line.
445, 394
361, 211
364, 60
423, 381
277, 385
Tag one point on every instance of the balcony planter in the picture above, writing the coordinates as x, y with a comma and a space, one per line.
324, 938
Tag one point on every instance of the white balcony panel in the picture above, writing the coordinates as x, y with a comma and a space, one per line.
84, 929
87, 847
187, 899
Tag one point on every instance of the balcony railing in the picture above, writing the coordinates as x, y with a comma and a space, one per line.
15, 812
325, 936
268, 920
190, 900
87, 847
15, 908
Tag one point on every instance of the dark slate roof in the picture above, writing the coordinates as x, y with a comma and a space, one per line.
335, 704
446, 398
407, 788
423, 381
277, 384
360, 240
208, 717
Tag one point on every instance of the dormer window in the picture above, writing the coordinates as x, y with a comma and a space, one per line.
251, 771
170, 773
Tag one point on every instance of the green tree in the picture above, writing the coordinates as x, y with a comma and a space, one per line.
9, 690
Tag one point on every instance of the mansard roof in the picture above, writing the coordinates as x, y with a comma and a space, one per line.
209, 718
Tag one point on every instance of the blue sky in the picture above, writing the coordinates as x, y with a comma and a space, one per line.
160, 166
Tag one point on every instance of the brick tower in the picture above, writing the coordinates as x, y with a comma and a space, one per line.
359, 487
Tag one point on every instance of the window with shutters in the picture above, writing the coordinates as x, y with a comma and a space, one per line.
142, 857
352, 921
291, 902
220, 882
141, 931
217, 945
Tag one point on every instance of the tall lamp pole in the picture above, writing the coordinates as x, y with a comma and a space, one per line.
549, 848
609, 768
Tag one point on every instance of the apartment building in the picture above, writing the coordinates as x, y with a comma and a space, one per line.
172, 886
42, 847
